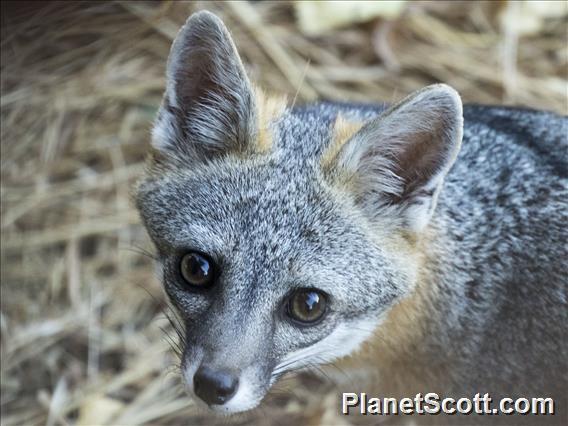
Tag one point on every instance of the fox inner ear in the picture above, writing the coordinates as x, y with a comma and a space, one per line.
397, 162
208, 106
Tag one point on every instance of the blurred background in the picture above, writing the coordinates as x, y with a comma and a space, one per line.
85, 337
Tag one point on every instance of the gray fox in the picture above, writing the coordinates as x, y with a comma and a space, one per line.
426, 240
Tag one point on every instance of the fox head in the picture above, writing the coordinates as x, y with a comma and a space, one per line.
284, 237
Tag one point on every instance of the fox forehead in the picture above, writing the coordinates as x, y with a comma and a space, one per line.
233, 198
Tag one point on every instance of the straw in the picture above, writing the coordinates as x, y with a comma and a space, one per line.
84, 333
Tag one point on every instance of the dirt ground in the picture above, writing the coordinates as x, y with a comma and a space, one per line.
85, 337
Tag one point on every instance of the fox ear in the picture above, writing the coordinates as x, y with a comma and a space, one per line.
399, 160
208, 106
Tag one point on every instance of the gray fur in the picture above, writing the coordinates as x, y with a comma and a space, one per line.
275, 222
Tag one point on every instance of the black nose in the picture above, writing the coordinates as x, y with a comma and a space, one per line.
213, 386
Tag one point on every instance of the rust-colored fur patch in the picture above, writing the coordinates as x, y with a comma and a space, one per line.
401, 328
343, 129
269, 108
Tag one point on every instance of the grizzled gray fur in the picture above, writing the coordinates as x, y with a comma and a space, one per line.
440, 258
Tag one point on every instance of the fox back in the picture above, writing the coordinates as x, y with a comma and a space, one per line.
293, 237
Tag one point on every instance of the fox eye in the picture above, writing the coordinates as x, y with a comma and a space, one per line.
307, 306
197, 269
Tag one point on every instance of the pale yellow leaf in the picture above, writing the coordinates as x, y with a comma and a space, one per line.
318, 17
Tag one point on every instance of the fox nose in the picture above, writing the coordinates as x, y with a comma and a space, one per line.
213, 386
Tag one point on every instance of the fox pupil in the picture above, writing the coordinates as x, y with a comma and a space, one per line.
196, 269
307, 306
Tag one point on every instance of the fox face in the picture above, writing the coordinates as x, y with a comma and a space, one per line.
283, 237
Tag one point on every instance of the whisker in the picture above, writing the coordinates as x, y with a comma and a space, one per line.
140, 250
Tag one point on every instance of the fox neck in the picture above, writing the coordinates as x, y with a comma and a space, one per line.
406, 346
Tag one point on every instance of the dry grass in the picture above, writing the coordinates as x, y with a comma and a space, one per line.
82, 316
